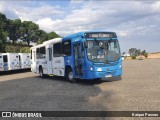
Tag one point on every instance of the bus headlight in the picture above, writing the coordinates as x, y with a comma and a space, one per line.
120, 66
99, 69
91, 68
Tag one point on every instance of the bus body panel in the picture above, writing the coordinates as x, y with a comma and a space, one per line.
58, 66
12, 62
41, 63
1, 63
24, 60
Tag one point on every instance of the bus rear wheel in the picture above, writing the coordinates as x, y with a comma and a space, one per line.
41, 72
70, 76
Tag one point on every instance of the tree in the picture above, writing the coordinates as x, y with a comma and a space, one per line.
2, 41
132, 51
144, 53
135, 52
14, 29
3, 21
43, 37
30, 32
138, 52
26, 31
52, 35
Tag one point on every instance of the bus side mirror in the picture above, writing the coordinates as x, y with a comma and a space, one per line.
85, 44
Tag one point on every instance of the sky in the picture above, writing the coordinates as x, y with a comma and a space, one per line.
137, 23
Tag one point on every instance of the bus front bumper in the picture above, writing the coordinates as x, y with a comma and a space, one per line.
103, 74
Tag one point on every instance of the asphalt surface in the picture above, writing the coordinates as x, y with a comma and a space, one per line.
139, 90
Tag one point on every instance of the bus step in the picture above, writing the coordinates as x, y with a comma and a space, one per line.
51, 75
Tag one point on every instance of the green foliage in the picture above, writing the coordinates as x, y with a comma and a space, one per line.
17, 48
146, 55
12, 49
2, 32
135, 52
24, 30
43, 36
2, 40
24, 50
30, 32
133, 57
52, 35
47, 36
14, 29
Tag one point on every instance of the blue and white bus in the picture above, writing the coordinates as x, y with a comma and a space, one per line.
84, 55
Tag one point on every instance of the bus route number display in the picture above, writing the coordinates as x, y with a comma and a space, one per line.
99, 35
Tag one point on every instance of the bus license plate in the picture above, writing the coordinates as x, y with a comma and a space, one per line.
108, 76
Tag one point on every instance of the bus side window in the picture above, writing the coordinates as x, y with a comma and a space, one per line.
37, 53
57, 49
67, 48
42, 53
5, 58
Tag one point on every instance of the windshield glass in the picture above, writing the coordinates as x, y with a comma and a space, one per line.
103, 50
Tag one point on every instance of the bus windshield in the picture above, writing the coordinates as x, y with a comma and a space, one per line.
103, 50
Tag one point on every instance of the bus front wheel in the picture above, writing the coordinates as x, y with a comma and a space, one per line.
70, 76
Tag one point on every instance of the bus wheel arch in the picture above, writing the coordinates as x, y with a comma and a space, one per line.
69, 74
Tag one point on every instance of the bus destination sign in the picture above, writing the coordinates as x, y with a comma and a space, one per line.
100, 35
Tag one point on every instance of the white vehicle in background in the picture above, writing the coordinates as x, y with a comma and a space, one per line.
1, 63
24, 60
11, 61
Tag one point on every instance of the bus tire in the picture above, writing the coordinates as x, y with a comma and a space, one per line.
41, 72
69, 76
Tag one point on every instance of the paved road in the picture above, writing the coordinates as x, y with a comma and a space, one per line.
139, 90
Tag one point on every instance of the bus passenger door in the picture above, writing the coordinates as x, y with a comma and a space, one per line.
49, 61
33, 62
78, 60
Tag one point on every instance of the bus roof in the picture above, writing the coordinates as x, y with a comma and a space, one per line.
52, 41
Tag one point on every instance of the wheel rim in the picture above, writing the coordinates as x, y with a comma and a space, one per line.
70, 76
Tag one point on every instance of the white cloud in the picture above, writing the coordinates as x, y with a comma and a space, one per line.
27, 13
123, 34
46, 24
156, 6
25, 10
1, 6
132, 20
73, 2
